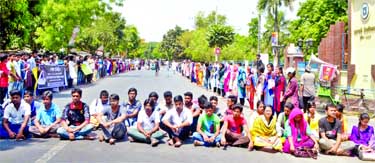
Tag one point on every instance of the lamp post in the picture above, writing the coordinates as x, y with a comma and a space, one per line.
278, 48
308, 44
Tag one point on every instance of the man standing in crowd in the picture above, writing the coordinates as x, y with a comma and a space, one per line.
177, 122
13, 76
307, 87
16, 118
4, 72
48, 118
133, 106
76, 119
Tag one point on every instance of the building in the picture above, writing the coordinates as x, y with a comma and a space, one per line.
361, 68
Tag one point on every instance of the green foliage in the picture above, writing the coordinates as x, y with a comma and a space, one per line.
220, 36
170, 43
198, 49
202, 21
15, 24
316, 25
239, 50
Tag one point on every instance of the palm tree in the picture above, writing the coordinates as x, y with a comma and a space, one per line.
272, 7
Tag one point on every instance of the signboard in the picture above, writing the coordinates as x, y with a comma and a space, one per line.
217, 51
327, 72
52, 76
274, 39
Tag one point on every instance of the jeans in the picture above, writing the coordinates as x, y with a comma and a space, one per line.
193, 126
15, 128
116, 131
3, 94
137, 136
79, 135
182, 134
199, 137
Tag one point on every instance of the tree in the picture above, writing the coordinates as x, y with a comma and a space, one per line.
15, 24
220, 36
272, 7
202, 21
170, 43
316, 25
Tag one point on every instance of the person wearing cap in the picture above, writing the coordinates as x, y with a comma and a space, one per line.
307, 87
291, 92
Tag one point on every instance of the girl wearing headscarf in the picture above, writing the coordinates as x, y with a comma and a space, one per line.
222, 71
233, 81
227, 78
241, 84
263, 132
298, 133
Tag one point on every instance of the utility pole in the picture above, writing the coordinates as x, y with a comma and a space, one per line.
259, 31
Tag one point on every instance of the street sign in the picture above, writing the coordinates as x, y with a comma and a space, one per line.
217, 51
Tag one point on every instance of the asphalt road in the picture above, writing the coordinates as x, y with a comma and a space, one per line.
54, 150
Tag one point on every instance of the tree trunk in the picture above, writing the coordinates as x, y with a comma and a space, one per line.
276, 29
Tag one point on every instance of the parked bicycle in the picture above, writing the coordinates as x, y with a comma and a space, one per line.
359, 104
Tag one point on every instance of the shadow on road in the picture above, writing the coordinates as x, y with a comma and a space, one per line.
8, 144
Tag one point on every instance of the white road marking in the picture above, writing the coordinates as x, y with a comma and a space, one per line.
52, 152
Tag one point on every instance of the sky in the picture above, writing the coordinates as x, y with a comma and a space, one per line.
153, 18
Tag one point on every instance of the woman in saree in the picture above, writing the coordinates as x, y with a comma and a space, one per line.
199, 74
250, 87
227, 78
298, 133
264, 134
222, 72
233, 88
280, 84
269, 86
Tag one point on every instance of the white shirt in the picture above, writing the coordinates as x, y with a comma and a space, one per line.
175, 119
148, 122
97, 106
15, 116
164, 107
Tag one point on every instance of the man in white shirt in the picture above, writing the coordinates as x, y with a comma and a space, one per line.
16, 117
177, 122
97, 107
147, 129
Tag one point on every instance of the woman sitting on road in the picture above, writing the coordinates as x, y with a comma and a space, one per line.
299, 133
312, 118
264, 132
363, 136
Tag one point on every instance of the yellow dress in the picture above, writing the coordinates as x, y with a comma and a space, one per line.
313, 123
262, 134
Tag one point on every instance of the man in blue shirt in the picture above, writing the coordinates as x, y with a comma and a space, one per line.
133, 106
47, 119
35, 105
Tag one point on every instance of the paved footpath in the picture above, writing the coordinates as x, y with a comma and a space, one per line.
54, 150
